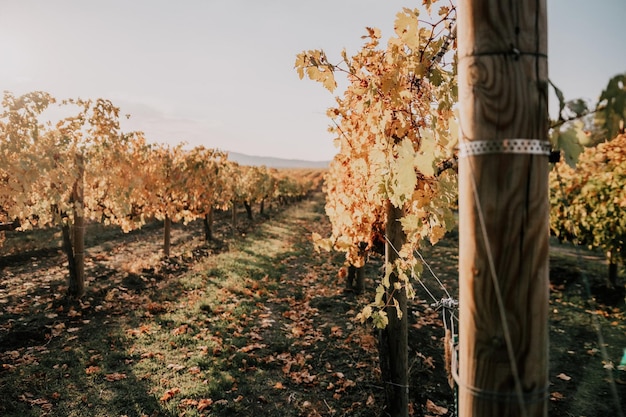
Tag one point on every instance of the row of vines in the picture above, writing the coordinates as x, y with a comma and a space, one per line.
392, 185
83, 168
387, 186
588, 184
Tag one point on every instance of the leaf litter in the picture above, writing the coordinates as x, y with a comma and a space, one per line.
276, 338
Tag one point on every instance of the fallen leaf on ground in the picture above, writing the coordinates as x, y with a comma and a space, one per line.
556, 396
252, 347
204, 404
180, 330
176, 367
169, 394
431, 407
116, 376
92, 370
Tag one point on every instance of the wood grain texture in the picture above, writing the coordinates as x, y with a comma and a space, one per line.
503, 78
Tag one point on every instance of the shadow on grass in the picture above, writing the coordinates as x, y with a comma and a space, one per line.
70, 360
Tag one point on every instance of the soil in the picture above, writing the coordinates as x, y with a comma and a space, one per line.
300, 351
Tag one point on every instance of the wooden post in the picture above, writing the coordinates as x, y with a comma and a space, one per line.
208, 225
234, 217
77, 273
167, 235
503, 208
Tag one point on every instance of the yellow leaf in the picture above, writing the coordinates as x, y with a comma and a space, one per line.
365, 314
425, 158
436, 233
320, 243
405, 27
403, 180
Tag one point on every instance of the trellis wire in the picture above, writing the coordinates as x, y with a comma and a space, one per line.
445, 304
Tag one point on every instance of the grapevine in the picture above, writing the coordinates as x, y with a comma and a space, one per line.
589, 201
393, 126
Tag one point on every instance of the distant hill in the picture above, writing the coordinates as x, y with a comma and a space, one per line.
272, 162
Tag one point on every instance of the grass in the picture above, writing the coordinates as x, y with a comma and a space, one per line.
257, 324
159, 346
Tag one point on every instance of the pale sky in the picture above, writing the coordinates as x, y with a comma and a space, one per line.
220, 73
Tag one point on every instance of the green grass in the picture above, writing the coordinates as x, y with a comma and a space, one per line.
124, 364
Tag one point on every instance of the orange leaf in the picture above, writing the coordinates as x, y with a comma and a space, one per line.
92, 370
141, 330
336, 331
169, 394
343, 272
188, 402
204, 403
180, 330
556, 396
252, 347
115, 377
431, 407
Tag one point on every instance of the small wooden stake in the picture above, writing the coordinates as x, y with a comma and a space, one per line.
167, 235
77, 243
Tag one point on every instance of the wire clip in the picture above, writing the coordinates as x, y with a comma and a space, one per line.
448, 303
516, 146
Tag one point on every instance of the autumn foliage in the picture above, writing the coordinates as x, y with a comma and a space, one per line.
83, 167
589, 200
393, 127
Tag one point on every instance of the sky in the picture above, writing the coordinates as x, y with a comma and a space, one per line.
221, 73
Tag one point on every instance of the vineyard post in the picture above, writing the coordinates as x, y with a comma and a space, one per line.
208, 224
167, 235
77, 280
234, 216
503, 208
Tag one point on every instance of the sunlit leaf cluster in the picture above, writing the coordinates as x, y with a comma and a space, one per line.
589, 201
50, 147
393, 125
